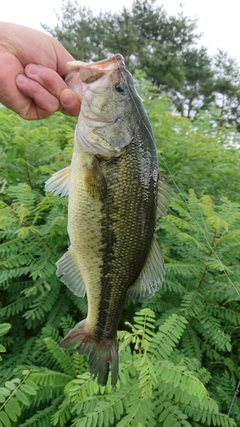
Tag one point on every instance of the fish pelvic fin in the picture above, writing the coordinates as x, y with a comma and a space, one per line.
102, 353
59, 182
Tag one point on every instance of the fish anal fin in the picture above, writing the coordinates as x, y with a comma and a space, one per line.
68, 269
164, 196
151, 276
59, 182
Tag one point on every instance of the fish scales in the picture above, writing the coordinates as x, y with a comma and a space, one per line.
127, 231
113, 192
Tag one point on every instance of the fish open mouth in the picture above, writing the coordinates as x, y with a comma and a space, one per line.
111, 63
82, 73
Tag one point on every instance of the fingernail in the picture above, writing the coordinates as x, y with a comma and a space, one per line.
21, 79
33, 69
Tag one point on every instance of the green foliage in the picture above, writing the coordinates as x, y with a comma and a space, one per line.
193, 156
228, 88
179, 352
4, 328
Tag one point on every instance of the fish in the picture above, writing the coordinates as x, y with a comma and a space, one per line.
115, 195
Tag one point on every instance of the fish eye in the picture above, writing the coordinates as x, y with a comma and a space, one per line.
121, 87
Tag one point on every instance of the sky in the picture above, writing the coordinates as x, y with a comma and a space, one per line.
218, 21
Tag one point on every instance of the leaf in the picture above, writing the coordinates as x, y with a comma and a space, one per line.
4, 328
27, 388
5, 419
22, 397
12, 408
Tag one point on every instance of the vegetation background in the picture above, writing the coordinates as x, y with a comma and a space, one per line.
180, 351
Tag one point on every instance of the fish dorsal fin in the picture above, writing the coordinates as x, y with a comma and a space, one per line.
68, 269
59, 182
151, 276
164, 196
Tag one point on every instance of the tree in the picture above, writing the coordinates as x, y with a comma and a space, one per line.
227, 89
79, 31
163, 39
143, 34
197, 90
161, 45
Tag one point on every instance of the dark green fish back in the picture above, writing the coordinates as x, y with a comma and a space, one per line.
128, 221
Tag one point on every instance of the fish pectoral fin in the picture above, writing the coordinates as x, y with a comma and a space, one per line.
68, 269
95, 181
151, 276
59, 182
164, 196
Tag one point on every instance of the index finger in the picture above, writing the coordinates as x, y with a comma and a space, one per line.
47, 77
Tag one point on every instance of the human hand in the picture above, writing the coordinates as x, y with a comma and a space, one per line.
32, 64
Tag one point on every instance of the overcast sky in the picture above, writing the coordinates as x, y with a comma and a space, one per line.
219, 21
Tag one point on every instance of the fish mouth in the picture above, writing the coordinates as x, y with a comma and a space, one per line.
82, 73
113, 62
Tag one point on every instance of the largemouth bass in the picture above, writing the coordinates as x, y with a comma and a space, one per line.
113, 186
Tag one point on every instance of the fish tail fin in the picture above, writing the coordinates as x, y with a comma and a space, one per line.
102, 354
